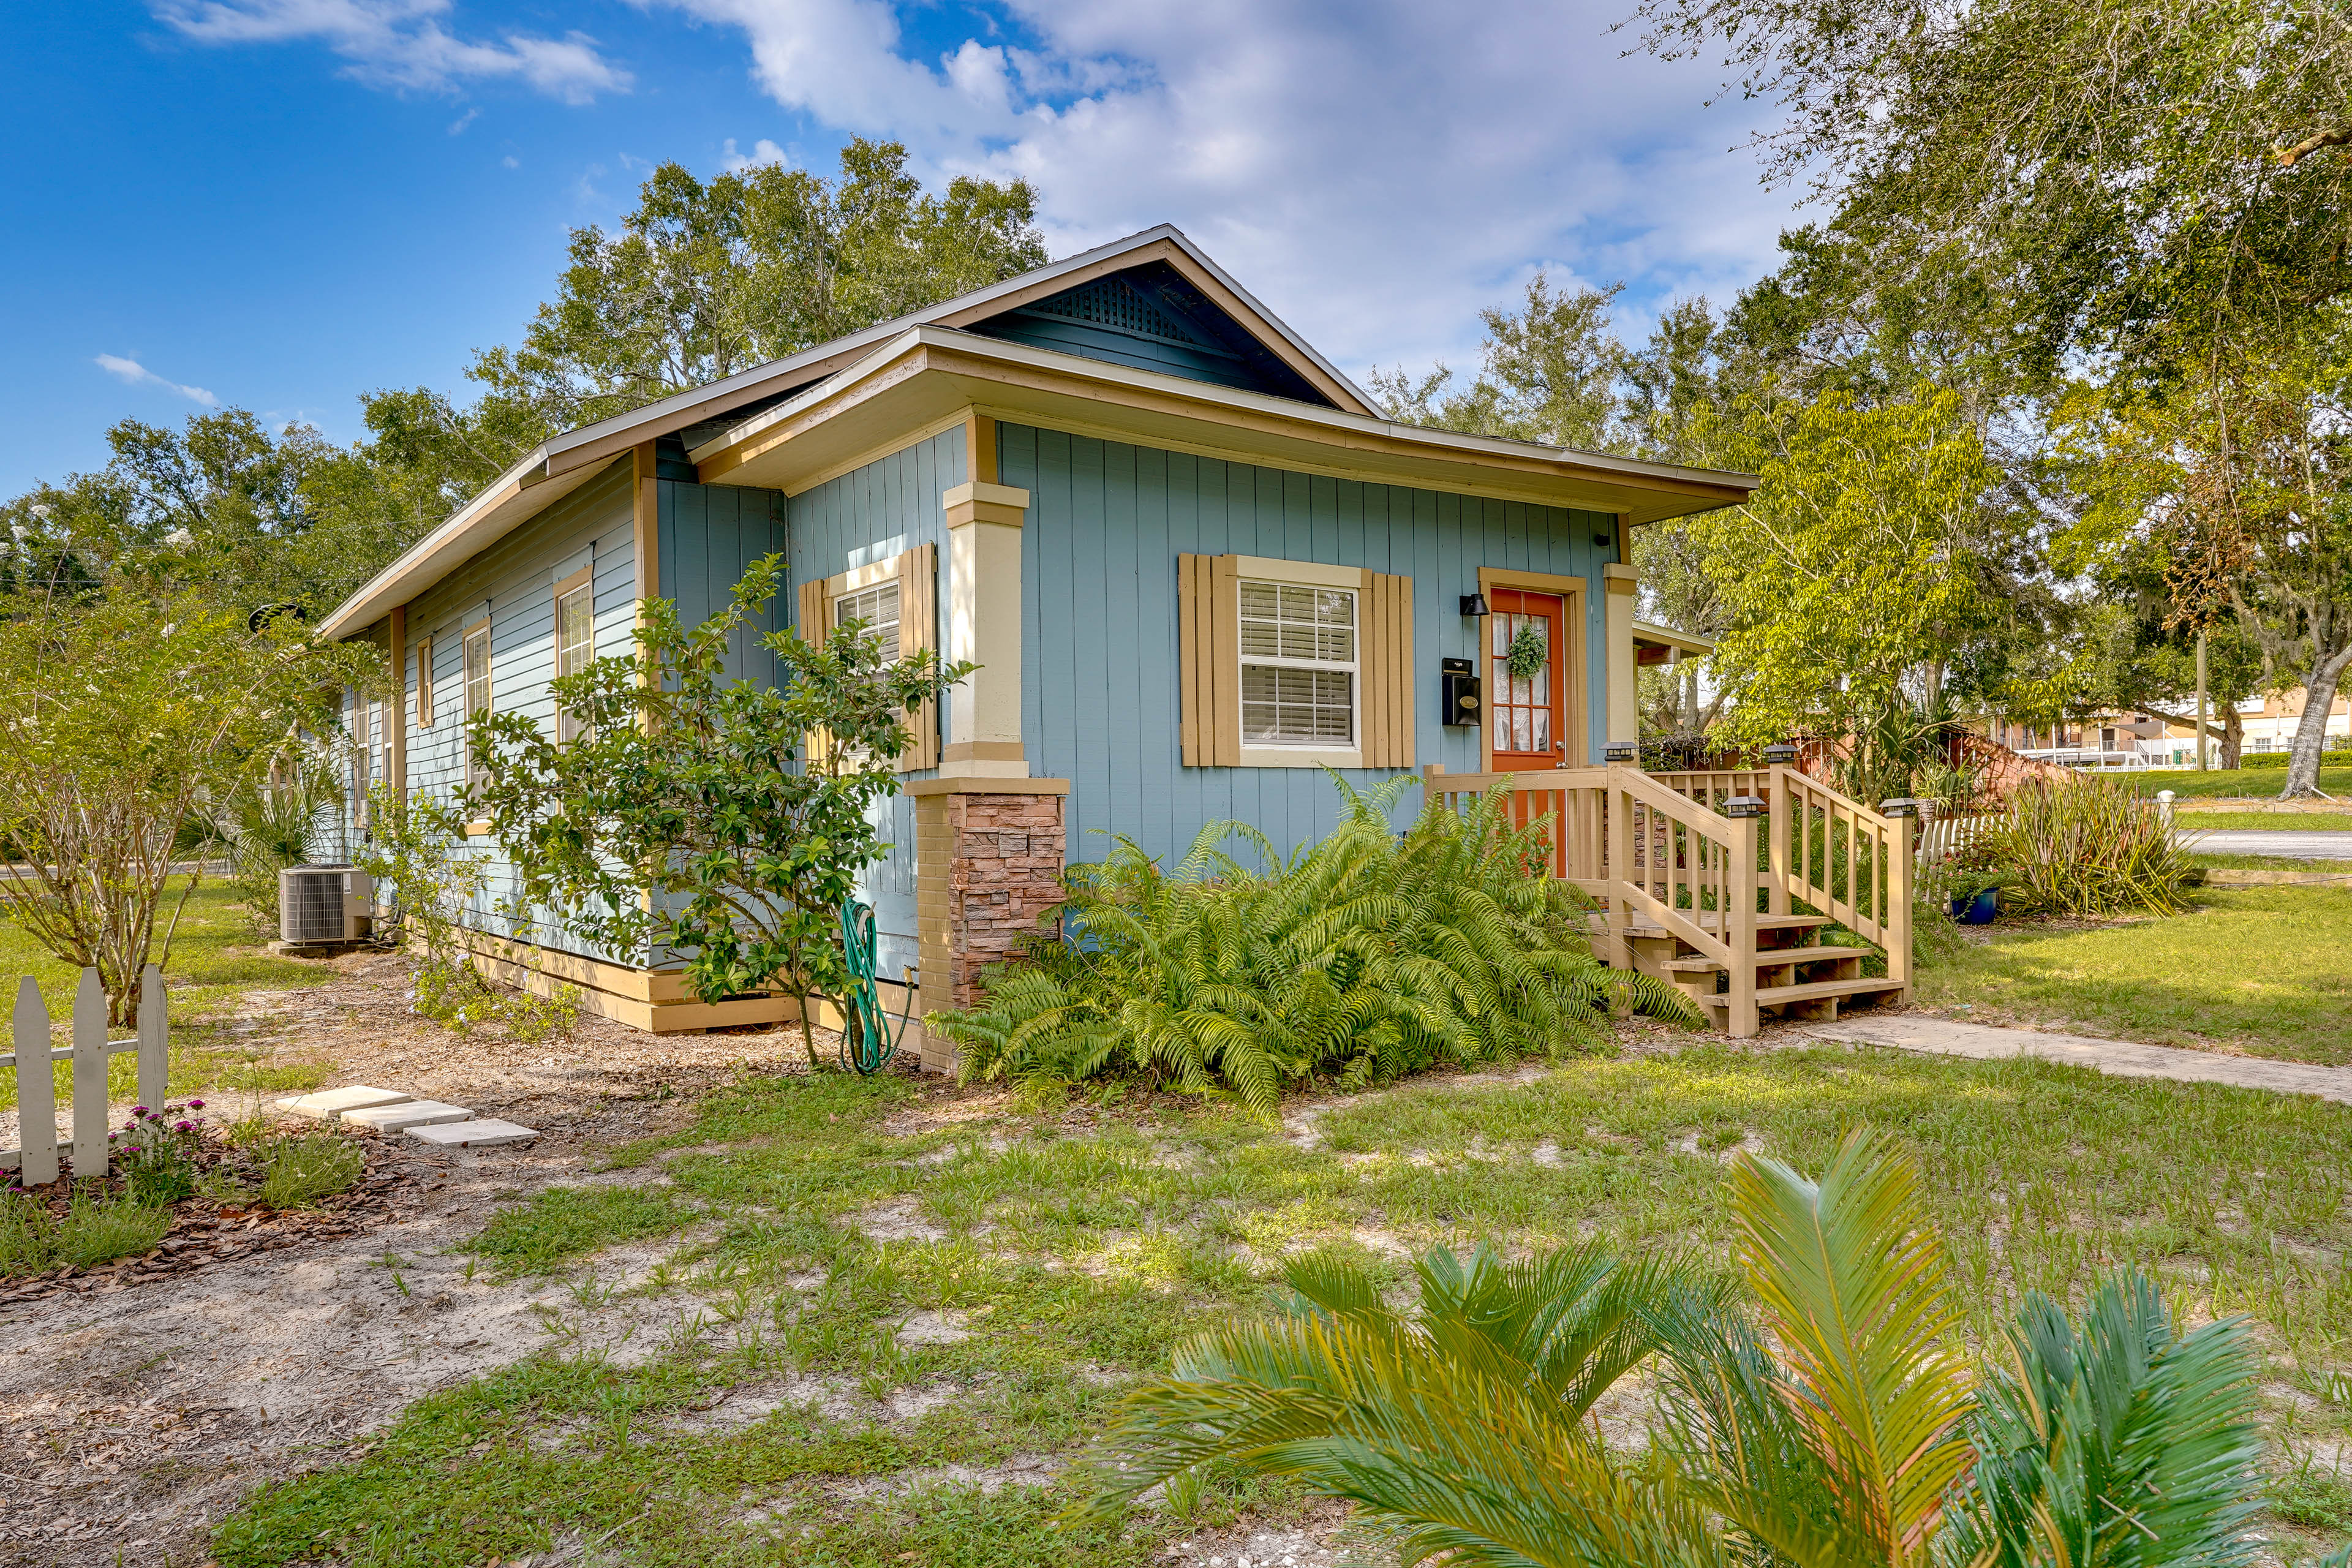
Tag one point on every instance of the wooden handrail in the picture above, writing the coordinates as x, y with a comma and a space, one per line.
1858, 870
1714, 861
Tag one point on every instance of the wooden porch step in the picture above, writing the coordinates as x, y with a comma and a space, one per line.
1817, 999
1772, 958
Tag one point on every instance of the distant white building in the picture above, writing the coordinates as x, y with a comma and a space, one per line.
2145, 741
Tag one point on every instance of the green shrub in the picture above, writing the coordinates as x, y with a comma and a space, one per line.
1368, 954
2087, 846
95, 1229
303, 1167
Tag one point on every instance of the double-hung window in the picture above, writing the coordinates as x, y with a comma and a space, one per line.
1299, 666
877, 608
575, 646
477, 695
424, 683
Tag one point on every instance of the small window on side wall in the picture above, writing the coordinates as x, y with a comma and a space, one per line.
478, 693
424, 683
575, 643
1299, 665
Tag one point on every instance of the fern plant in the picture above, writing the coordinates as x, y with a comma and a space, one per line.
1368, 954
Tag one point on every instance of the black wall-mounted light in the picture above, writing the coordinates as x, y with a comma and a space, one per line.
1474, 605
1604, 540
1780, 754
1745, 806
1621, 750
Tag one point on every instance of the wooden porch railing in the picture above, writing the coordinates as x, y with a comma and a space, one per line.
1688, 868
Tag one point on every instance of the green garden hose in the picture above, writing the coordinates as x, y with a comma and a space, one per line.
867, 1041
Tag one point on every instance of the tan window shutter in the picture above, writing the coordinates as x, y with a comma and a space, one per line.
1208, 616
917, 630
1386, 662
813, 620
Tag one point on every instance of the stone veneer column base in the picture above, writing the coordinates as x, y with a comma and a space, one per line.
988, 863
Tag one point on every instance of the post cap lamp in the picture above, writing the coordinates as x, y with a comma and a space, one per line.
1779, 753
1745, 806
1474, 605
1621, 750
1901, 805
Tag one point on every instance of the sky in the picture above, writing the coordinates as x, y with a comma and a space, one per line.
280, 204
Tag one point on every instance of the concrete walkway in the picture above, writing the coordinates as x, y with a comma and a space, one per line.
2324, 844
1948, 1038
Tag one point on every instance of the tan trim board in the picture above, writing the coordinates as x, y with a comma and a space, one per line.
1307, 573
888, 448
396, 759
969, 784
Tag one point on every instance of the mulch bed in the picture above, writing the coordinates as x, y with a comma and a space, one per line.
204, 1233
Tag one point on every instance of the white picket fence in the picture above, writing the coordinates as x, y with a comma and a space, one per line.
37, 1110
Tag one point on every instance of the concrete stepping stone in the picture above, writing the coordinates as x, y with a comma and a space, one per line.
408, 1114
487, 1133
330, 1103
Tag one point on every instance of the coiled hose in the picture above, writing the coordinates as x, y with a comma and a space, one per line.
867, 1041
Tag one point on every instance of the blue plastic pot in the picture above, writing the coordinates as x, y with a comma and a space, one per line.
1976, 909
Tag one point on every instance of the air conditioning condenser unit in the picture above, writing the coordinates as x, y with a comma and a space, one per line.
319, 904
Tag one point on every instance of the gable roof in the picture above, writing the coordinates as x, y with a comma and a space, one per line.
1183, 313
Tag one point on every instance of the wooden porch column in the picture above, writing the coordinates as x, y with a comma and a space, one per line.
1739, 929
983, 625
1620, 869
1902, 852
1624, 679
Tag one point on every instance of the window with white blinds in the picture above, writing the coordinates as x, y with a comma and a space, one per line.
877, 608
1299, 657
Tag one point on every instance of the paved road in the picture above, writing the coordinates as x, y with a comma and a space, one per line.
2327, 844
1949, 1037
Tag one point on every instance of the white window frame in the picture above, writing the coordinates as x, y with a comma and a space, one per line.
580, 586
1248, 569
858, 582
467, 708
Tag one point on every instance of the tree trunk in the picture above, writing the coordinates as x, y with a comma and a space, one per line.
2311, 733
2234, 737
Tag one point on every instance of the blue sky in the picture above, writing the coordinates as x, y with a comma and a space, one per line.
280, 204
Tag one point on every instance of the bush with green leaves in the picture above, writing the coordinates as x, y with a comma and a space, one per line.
1837, 1423
1363, 956
266, 824
2087, 846
695, 813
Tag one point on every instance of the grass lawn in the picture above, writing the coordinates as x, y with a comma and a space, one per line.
1066, 1253
2264, 970
214, 956
2251, 784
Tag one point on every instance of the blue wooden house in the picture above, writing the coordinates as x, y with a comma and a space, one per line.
1195, 564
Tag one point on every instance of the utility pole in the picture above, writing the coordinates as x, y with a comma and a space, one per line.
2200, 702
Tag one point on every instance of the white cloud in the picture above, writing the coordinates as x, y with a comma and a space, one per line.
735, 161
1376, 171
131, 372
402, 44
457, 126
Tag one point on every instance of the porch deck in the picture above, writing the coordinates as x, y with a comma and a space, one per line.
1727, 909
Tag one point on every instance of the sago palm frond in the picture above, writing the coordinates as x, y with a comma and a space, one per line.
2123, 1443
1459, 1428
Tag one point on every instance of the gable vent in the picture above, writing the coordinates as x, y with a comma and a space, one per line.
1112, 302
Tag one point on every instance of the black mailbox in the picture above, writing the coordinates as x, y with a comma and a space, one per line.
1460, 699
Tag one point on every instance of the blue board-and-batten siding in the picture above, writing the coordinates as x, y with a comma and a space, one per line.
1099, 693
870, 514
707, 535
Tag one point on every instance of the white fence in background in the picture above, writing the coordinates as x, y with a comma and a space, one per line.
36, 1160
1941, 835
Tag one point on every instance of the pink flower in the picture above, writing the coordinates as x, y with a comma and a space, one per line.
183, 1127
138, 1110
196, 1105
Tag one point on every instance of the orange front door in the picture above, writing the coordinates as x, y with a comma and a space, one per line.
1526, 713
